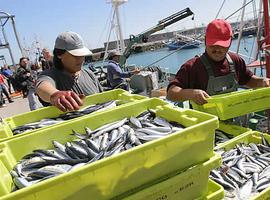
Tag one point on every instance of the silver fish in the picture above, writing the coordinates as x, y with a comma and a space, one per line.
107, 140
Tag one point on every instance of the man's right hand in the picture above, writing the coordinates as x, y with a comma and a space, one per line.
136, 71
66, 100
199, 96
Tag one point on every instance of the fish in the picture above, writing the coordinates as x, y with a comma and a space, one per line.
161, 122
22, 182
109, 127
64, 117
245, 170
221, 137
95, 144
135, 122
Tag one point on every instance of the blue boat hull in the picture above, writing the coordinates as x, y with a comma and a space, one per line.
183, 45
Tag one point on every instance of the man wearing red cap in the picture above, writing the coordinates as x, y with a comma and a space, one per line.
217, 71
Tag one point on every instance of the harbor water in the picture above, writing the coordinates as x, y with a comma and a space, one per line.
173, 62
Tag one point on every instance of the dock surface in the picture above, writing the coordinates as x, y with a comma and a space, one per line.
19, 106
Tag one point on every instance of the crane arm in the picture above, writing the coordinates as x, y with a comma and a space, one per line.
142, 37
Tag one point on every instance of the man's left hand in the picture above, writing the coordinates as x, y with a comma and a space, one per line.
266, 82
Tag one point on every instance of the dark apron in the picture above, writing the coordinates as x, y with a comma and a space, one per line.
223, 84
220, 84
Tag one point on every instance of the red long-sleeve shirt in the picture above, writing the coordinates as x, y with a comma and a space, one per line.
2, 80
193, 74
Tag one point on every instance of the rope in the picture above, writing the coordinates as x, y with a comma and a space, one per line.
220, 9
105, 27
238, 9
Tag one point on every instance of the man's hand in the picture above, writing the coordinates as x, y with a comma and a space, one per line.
257, 82
265, 82
136, 71
199, 96
66, 100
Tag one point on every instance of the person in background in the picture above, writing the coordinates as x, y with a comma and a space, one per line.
115, 75
35, 71
8, 73
217, 71
2, 100
66, 84
4, 89
26, 82
46, 60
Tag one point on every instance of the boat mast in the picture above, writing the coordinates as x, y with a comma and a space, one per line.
6, 16
258, 35
266, 36
116, 25
241, 27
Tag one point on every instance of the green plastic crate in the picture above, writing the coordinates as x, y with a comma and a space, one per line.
185, 185
234, 130
235, 104
48, 112
249, 137
215, 191
118, 174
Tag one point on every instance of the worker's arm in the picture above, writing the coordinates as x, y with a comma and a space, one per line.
45, 90
256, 82
117, 71
176, 93
63, 100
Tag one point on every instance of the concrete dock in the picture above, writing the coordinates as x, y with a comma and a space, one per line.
19, 106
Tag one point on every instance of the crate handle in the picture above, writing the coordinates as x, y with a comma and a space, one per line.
4, 155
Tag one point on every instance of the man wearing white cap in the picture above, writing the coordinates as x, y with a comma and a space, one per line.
217, 71
115, 75
66, 84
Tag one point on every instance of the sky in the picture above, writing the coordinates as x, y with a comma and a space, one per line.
39, 22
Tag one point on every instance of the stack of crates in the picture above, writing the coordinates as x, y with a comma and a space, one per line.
177, 165
192, 183
236, 104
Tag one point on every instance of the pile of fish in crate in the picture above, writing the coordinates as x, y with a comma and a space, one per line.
228, 131
105, 141
245, 171
63, 117
115, 153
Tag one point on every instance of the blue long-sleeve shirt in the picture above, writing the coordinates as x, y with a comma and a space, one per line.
115, 74
7, 73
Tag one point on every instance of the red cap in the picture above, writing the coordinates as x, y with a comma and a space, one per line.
218, 32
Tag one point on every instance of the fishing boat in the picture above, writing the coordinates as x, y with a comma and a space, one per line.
249, 31
183, 42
